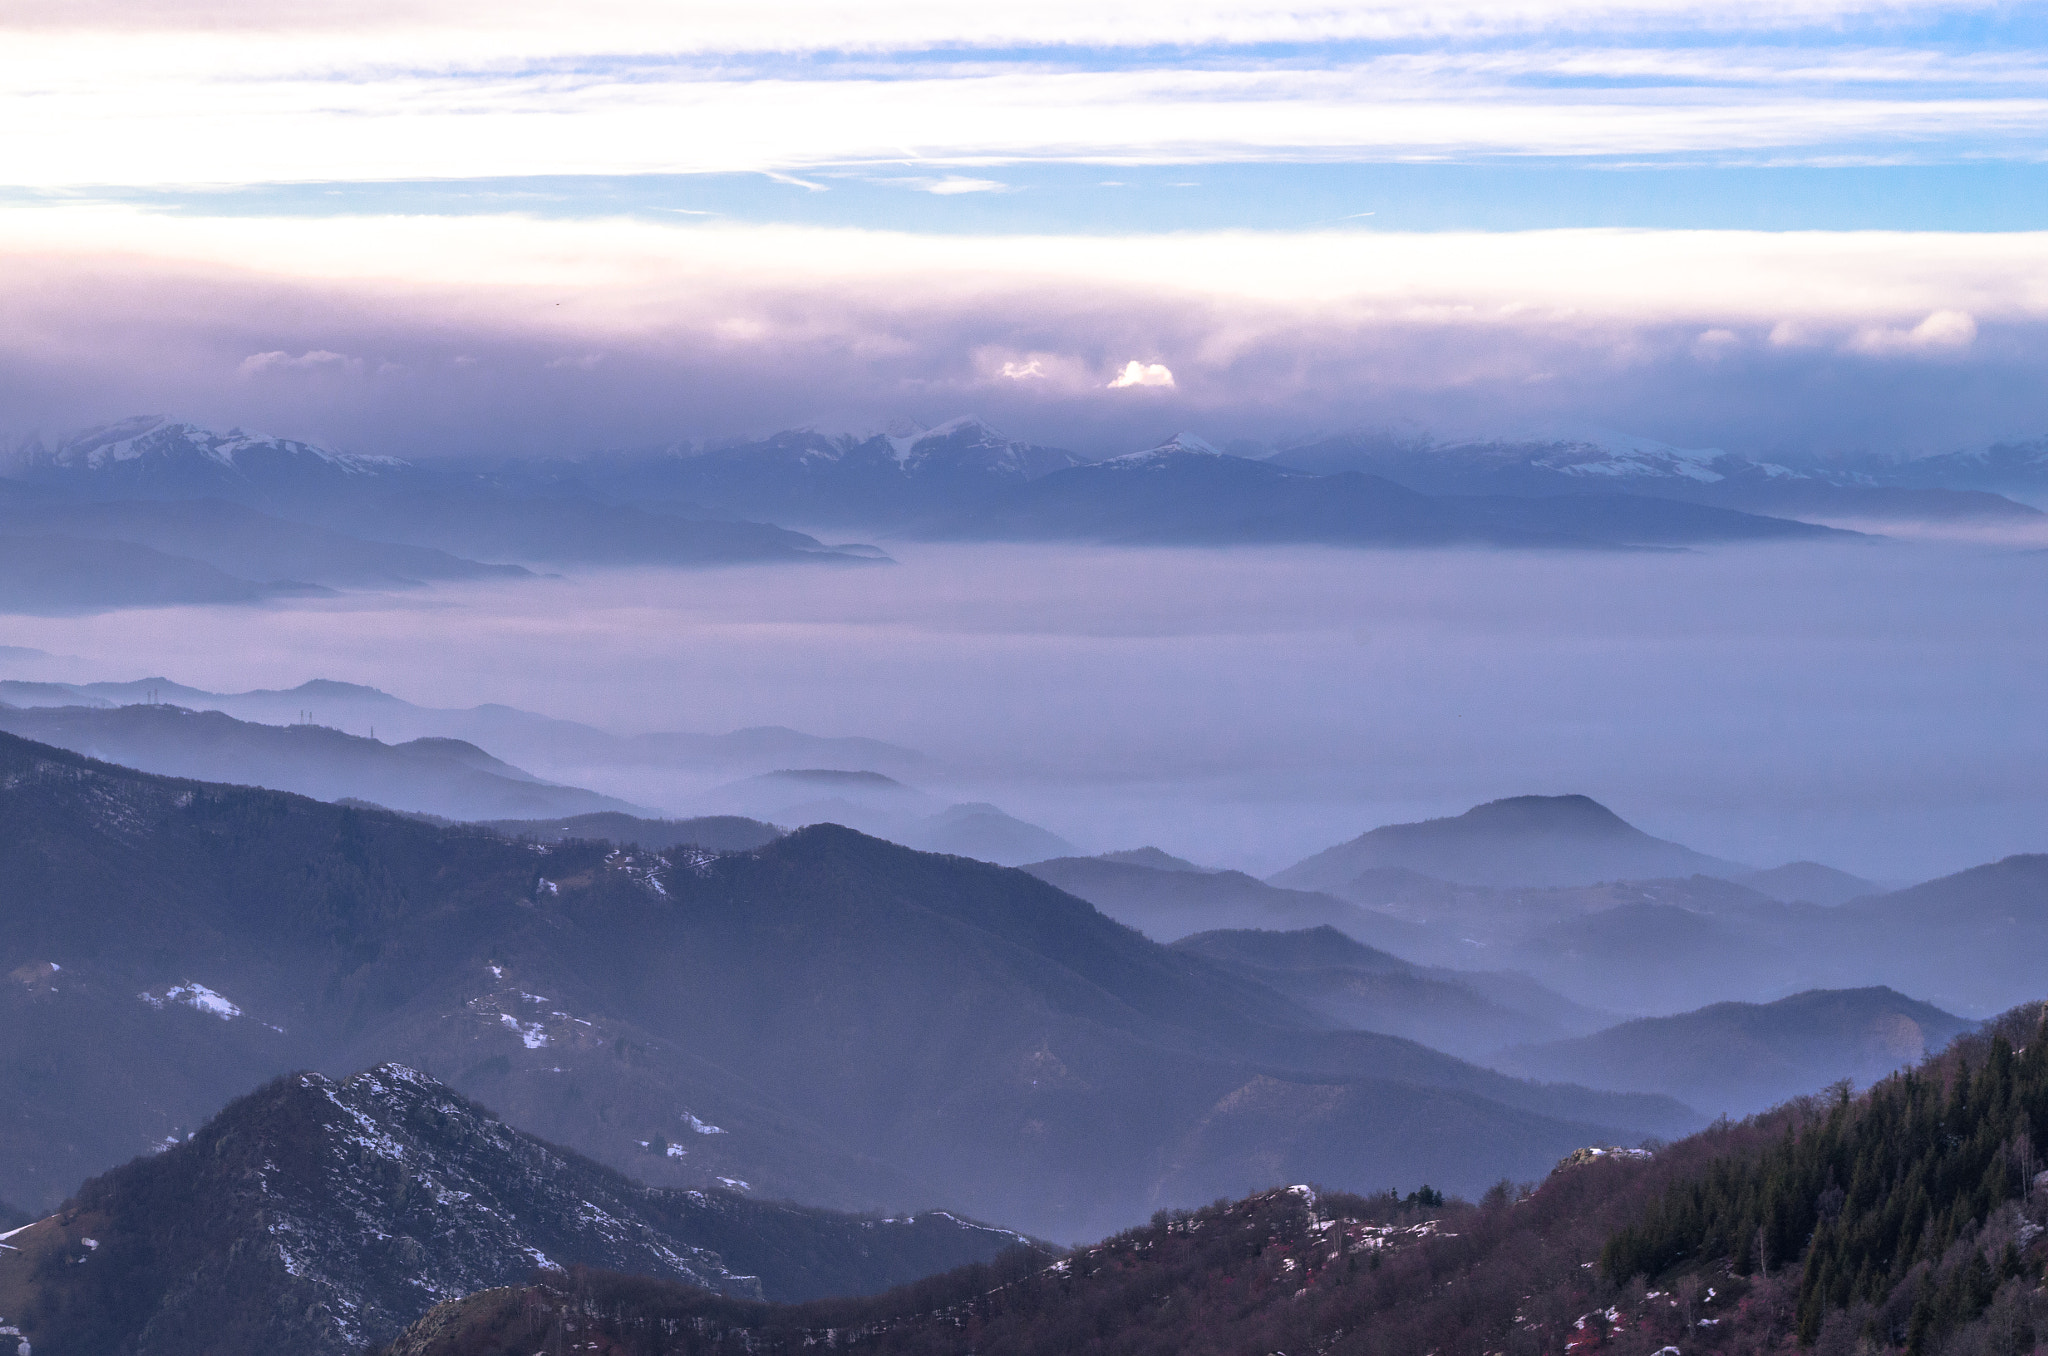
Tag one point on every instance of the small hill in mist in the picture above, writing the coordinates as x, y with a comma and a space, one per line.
1523, 840
439, 776
1966, 942
316, 1216
1469, 1014
1170, 902
982, 831
887, 808
1739, 1058
1153, 857
1809, 881
526, 737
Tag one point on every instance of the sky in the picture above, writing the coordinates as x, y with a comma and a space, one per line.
519, 228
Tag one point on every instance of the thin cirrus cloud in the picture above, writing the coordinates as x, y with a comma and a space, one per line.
132, 94
444, 28
168, 127
277, 360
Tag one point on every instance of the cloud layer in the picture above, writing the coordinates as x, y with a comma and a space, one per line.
486, 334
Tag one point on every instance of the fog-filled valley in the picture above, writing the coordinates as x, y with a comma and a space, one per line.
1868, 706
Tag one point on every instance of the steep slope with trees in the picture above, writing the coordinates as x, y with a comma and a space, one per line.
1902, 1223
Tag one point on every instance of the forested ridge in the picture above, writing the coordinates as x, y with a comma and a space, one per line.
1906, 1221
1872, 1197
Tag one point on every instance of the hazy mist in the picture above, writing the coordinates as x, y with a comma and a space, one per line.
1872, 706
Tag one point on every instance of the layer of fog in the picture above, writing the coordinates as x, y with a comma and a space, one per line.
1877, 707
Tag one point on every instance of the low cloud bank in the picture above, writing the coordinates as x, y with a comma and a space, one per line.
500, 337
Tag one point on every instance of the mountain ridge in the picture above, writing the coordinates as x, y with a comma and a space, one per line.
433, 774
864, 1025
318, 1215
1518, 840
1740, 1058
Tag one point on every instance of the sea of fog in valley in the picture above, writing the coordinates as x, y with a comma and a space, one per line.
1875, 706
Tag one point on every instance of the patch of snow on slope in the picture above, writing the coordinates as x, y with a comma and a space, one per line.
530, 1035
194, 996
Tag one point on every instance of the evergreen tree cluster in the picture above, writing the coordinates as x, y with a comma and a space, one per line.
1886, 1202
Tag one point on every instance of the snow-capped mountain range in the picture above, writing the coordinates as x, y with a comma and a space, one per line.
154, 454
965, 479
1578, 461
157, 456
1179, 447
1614, 456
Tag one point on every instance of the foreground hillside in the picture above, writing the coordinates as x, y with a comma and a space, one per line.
1906, 1221
316, 1216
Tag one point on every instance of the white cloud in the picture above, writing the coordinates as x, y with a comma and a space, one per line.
311, 360
1017, 371
1945, 331
955, 183
440, 30
1716, 342
1790, 334
1136, 373
151, 99
630, 275
165, 128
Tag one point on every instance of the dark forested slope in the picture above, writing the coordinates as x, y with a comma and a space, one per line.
1909, 1221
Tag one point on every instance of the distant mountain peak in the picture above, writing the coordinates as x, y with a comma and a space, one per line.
335, 687
1518, 840
1546, 814
966, 423
1156, 858
1179, 445
159, 440
831, 776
